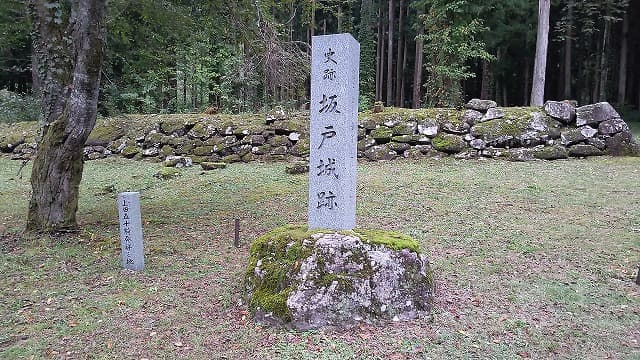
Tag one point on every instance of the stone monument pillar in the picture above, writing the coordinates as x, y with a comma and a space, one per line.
333, 132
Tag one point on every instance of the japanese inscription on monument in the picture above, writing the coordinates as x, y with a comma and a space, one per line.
335, 64
131, 230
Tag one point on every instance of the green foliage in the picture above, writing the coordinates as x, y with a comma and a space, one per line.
452, 39
18, 107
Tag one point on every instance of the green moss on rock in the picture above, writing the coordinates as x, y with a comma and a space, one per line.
277, 255
104, 133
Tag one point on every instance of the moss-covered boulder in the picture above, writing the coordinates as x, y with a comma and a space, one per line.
449, 143
623, 144
380, 152
10, 141
519, 127
105, 132
584, 150
309, 279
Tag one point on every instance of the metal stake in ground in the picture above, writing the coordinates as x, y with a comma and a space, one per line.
335, 64
131, 231
236, 238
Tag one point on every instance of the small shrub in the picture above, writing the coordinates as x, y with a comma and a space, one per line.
16, 107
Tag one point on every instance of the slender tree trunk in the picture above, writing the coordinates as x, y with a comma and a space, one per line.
390, 57
622, 75
399, 69
70, 113
527, 81
542, 42
568, 53
604, 63
379, 50
417, 66
404, 71
486, 80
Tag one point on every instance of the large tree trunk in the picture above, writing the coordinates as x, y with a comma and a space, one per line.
417, 68
70, 100
542, 42
622, 74
390, 56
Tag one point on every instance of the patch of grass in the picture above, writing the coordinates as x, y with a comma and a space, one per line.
532, 259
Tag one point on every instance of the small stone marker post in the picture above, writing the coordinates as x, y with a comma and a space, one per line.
131, 230
335, 65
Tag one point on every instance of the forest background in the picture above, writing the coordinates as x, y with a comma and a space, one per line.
175, 56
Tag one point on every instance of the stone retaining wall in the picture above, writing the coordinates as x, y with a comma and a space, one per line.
556, 131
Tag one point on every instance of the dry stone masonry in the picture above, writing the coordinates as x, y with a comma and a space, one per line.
557, 130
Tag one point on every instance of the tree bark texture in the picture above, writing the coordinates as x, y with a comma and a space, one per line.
70, 77
542, 42
622, 74
418, 64
399, 52
390, 57
604, 63
568, 53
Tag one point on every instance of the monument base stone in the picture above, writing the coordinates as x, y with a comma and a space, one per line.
306, 279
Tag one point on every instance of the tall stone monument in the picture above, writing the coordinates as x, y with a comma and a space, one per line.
335, 64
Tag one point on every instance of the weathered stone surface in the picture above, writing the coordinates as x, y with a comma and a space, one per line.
553, 152
279, 150
398, 147
613, 126
449, 143
595, 114
583, 150
311, 279
492, 114
528, 129
478, 144
297, 167
202, 130
480, 105
104, 133
233, 158
560, 110
203, 150
599, 143
11, 141
458, 128
405, 128
623, 144
574, 136
178, 161
173, 126
382, 134
130, 151
154, 151
428, 127
206, 165
380, 152
279, 140
471, 116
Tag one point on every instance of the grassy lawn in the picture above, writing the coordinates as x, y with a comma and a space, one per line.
531, 260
